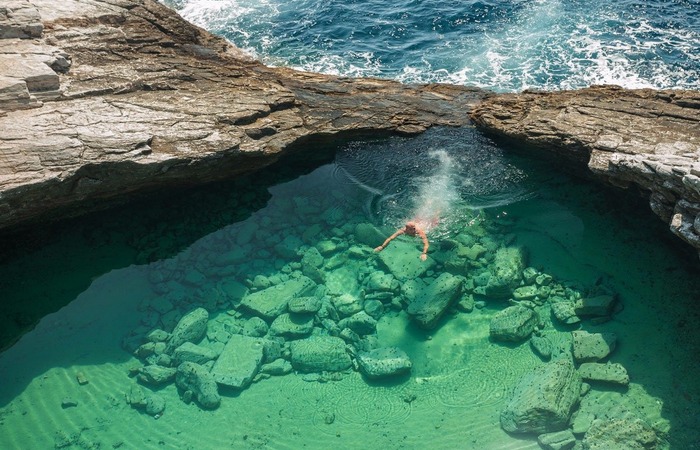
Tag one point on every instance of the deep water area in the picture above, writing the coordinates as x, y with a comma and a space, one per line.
283, 264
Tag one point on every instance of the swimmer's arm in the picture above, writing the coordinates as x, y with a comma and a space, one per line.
389, 239
426, 244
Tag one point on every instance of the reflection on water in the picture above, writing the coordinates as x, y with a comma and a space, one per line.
282, 258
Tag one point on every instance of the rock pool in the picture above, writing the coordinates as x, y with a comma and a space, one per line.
256, 314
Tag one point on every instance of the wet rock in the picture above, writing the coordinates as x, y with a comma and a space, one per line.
255, 327
560, 440
591, 347
383, 362
193, 353
543, 400
434, 299
506, 272
620, 434
466, 304
293, 326
402, 260
380, 281
277, 367
582, 422
155, 405
81, 378
369, 235
156, 375
514, 324
319, 353
542, 346
601, 305
347, 304
374, 308
525, 293
271, 302
233, 290
239, 362
196, 379
361, 323
608, 373
68, 402
158, 335
565, 312
136, 397
304, 305
191, 328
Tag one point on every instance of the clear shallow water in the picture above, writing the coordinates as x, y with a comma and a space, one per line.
120, 274
504, 46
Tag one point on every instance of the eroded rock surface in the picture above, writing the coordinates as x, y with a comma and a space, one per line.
646, 138
100, 99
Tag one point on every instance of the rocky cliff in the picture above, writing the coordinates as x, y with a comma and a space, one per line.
101, 98
646, 138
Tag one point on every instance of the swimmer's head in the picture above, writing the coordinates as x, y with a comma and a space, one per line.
411, 227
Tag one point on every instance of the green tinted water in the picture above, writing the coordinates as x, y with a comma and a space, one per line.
101, 283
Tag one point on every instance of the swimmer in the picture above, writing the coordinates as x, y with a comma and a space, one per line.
411, 229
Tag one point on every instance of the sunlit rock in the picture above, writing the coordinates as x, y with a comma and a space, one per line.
613, 373
543, 400
383, 362
620, 433
591, 347
319, 353
239, 362
514, 324
434, 299
292, 325
271, 302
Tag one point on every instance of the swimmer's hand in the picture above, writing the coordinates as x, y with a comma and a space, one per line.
379, 249
423, 256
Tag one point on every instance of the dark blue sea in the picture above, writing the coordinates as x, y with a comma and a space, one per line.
501, 45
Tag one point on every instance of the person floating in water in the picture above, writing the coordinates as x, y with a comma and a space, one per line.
411, 229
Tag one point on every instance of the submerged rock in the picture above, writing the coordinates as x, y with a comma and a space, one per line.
361, 323
543, 400
304, 305
609, 373
196, 379
271, 302
156, 375
239, 362
402, 260
433, 300
193, 353
591, 347
620, 434
191, 328
383, 362
319, 353
559, 440
602, 305
292, 325
565, 312
542, 346
514, 324
506, 272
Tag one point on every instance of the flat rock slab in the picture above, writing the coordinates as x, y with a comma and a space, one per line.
543, 400
591, 347
613, 373
402, 259
432, 301
271, 302
384, 362
320, 353
513, 324
625, 433
239, 362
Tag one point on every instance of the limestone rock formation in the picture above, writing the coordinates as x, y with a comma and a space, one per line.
191, 328
320, 353
239, 362
433, 300
383, 362
646, 138
199, 382
101, 99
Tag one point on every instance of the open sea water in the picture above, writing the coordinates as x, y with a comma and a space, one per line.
505, 46
86, 304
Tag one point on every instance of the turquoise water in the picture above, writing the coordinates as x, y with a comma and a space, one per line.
499, 45
99, 284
